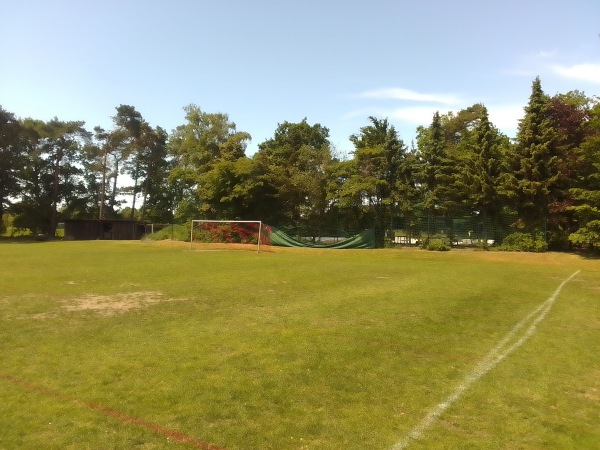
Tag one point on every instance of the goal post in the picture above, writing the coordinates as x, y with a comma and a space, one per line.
230, 234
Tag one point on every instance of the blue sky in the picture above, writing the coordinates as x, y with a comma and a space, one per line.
264, 62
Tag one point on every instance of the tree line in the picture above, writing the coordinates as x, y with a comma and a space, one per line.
547, 178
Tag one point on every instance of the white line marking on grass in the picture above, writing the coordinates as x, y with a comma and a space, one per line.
495, 356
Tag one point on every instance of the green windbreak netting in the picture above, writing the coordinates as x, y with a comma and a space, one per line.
366, 239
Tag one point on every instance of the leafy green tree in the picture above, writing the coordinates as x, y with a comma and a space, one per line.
92, 172
468, 140
345, 197
457, 128
231, 191
435, 170
379, 158
135, 130
482, 168
11, 161
293, 175
531, 173
146, 162
108, 152
157, 204
200, 149
32, 208
571, 118
51, 174
586, 194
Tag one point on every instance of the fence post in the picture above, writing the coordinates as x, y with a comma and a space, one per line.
485, 236
428, 220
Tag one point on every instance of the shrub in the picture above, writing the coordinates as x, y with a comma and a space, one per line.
174, 232
388, 243
436, 245
523, 242
482, 245
587, 236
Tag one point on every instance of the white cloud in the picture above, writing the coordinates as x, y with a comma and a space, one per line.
506, 117
547, 54
586, 71
407, 94
407, 117
417, 115
365, 112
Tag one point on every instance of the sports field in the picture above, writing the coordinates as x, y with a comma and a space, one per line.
152, 345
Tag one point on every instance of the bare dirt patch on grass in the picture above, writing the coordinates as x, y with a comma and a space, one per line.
108, 305
104, 305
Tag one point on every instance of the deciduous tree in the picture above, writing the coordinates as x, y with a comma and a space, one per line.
11, 160
586, 195
200, 149
51, 173
293, 167
571, 118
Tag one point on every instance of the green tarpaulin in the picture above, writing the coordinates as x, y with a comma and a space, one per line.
366, 239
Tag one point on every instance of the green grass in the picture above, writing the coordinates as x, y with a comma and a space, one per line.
291, 349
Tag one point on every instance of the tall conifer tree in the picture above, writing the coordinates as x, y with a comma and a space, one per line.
434, 169
380, 157
483, 167
531, 171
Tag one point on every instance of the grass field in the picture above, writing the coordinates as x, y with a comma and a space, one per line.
151, 346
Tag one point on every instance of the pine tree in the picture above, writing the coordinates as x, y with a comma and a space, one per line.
531, 171
380, 158
435, 171
482, 168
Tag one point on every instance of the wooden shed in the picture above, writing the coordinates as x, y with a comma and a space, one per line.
103, 229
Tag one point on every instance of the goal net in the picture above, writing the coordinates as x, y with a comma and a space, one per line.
230, 235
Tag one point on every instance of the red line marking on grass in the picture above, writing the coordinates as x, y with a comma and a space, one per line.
158, 429
109, 412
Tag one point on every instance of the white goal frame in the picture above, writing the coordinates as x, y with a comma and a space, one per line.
259, 222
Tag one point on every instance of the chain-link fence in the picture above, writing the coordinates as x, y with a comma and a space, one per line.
474, 230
